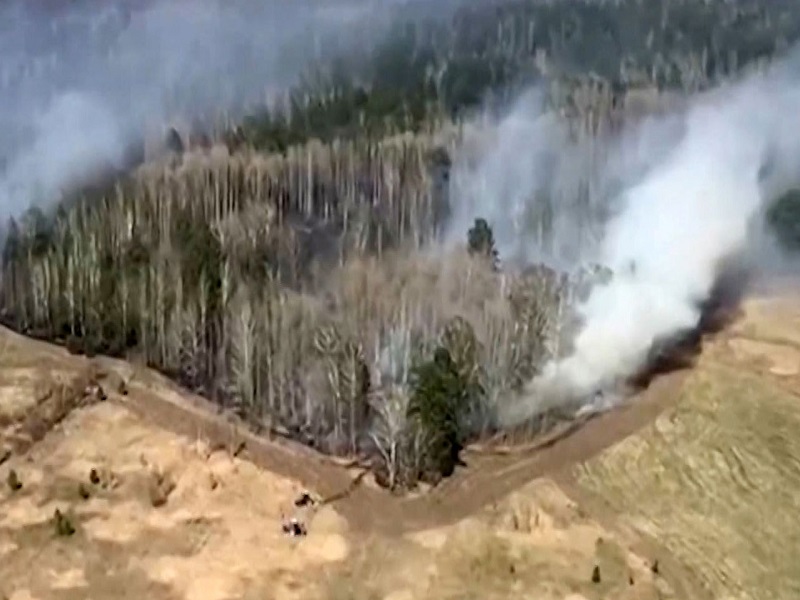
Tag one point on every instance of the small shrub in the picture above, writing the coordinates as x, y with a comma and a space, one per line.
596, 574
105, 478
655, 568
160, 486
14, 484
63, 525
83, 491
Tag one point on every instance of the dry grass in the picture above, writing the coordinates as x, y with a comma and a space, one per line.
37, 397
716, 480
486, 562
537, 543
774, 320
365, 576
217, 537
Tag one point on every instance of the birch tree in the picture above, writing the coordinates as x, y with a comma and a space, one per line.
389, 431
242, 341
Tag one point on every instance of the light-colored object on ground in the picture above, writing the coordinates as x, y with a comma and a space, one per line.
293, 527
400, 595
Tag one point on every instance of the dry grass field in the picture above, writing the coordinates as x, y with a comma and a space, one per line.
695, 497
716, 478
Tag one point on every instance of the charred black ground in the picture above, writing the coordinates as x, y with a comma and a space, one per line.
680, 350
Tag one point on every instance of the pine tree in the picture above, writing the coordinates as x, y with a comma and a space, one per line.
173, 141
438, 395
480, 242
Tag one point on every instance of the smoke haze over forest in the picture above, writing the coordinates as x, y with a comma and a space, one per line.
80, 82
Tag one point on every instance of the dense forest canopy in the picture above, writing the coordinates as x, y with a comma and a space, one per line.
426, 69
288, 275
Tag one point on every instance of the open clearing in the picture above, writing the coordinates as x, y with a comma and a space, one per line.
701, 474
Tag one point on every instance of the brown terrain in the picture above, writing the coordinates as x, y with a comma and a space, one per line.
115, 484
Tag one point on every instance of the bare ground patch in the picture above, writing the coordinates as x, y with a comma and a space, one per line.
216, 534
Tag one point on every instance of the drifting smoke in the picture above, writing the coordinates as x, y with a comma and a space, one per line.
532, 184
687, 203
80, 82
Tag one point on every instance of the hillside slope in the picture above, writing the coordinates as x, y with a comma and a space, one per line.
716, 479
706, 487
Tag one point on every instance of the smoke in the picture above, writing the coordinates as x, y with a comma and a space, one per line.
548, 196
81, 81
667, 214
75, 132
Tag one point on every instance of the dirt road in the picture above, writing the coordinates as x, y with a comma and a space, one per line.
486, 478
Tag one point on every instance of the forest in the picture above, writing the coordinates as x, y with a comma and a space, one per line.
286, 273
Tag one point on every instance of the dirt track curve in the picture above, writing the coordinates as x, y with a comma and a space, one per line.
488, 476
486, 479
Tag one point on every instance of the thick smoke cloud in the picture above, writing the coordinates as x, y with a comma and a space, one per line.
81, 81
680, 196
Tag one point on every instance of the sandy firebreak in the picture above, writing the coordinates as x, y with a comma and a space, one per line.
688, 492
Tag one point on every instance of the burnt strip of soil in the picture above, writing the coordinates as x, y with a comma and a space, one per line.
718, 311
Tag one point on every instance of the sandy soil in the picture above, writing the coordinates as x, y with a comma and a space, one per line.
217, 534
689, 492
169, 518
535, 543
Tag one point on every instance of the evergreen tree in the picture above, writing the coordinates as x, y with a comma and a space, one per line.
173, 141
437, 398
480, 241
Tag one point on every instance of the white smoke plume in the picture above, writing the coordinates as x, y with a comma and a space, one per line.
687, 202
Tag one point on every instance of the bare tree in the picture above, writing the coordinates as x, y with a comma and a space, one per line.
389, 430
242, 331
